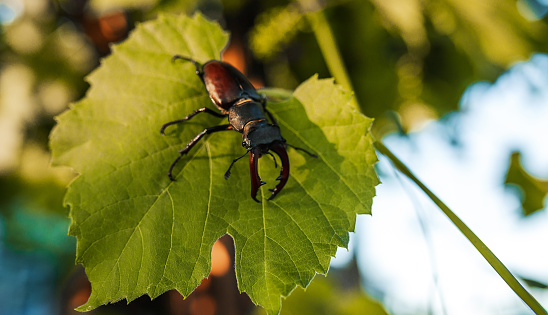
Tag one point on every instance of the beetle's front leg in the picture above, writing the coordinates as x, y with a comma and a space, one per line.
194, 62
194, 113
193, 142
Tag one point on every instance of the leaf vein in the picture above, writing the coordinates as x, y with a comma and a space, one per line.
320, 155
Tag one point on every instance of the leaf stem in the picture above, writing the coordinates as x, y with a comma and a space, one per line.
327, 43
464, 229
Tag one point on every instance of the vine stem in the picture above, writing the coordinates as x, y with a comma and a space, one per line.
327, 43
499, 267
328, 46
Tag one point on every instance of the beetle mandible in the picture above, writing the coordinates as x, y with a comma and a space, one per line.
237, 98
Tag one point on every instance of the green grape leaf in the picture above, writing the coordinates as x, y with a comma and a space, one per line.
140, 233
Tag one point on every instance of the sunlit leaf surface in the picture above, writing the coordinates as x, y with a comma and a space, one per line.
140, 233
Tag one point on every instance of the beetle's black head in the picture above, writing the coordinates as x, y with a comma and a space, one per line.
260, 137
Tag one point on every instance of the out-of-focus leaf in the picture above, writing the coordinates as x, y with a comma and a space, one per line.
406, 18
534, 283
273, 29
534, 190
140, 233
452, 43
324, 296
109, 5
490, 30
416, 57
174, 6
34, 184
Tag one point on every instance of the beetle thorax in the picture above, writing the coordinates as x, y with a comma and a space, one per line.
244, 112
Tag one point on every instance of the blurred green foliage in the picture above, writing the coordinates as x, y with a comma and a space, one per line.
44, 56
533, 190
413, 57
410, 58
324, 296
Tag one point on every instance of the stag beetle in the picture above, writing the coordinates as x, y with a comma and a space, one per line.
235, 97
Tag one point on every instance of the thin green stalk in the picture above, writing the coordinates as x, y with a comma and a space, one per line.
332, 56
464, 229
327, 44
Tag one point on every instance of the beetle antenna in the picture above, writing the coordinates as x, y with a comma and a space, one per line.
227, 174
301, 149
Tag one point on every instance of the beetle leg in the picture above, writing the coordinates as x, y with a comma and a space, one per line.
279, 149
193, 142
254, 170
272, 119
301, 149
194, 62
194, 113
